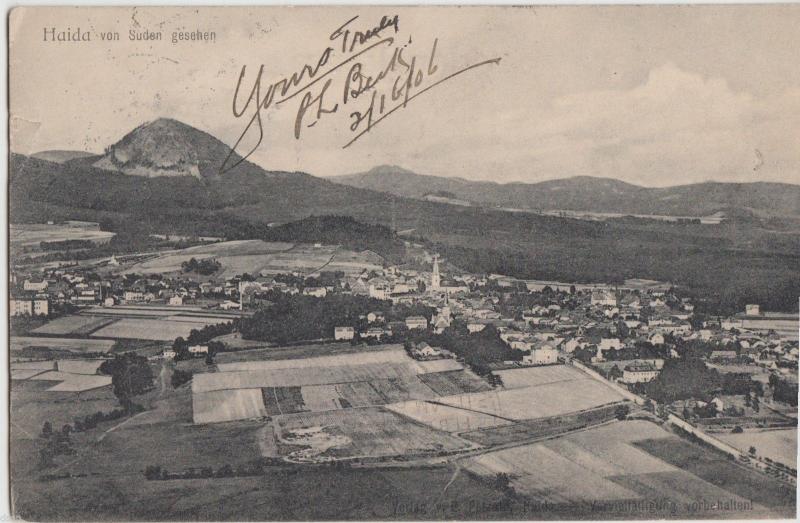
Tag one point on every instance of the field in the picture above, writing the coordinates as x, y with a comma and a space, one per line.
71, 366
256, 256
75, 325
778, 445
292, 352
387, 354
32, 234
142, 329
32, 404
546, 400
333, 377
447, 383
69, 344
226, 405
442, 417
612, 468
359, 433
532, 376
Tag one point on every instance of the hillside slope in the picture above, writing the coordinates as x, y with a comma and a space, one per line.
586, 193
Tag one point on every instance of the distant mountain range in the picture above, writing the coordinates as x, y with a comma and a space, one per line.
587, 194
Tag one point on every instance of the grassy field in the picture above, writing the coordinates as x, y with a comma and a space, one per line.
256, 256
454, 382
75, 325
359, 433
154, 330
550, 399
442, 417
68, 344
290, 352
778, 445
387, 354
227, 405
716, 469
532, 376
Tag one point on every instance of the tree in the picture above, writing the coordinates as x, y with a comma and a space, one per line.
737, 430
131, 376
421, 287
66, 430
752, 451
47, 429
621, 412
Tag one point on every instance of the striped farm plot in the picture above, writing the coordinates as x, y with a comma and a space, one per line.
446, 418
546, 400
350, 433
548, 470
69, 344
227, 405
533, 376
301, 377
607, 464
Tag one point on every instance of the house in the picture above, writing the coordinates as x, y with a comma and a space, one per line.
375, 333
319, 292
541, 356
228, 305
657, 339
108, 302
752, 310
198, 349
379, 291
639, 373
176, 300
610, 344
375, 317
132, 296
604, 298
723, 355
344, 333
475, 327
425, 351
35, 285
169, 354
416, 322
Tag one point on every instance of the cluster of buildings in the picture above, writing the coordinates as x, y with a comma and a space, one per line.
546, 322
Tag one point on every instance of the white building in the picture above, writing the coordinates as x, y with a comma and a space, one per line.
35, 286
29, 306
344, 333
416, 322
198, 349
639, 373
176, 300
543, 356
319, 292
610, 344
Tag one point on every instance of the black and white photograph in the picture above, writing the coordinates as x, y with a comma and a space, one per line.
418, 263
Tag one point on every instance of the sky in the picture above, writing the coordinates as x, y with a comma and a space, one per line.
656, 96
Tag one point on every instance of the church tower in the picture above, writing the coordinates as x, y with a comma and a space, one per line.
436, 279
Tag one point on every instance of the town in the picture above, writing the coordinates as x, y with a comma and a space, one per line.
728, 383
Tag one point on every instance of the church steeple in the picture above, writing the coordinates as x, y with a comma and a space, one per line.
436, 279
